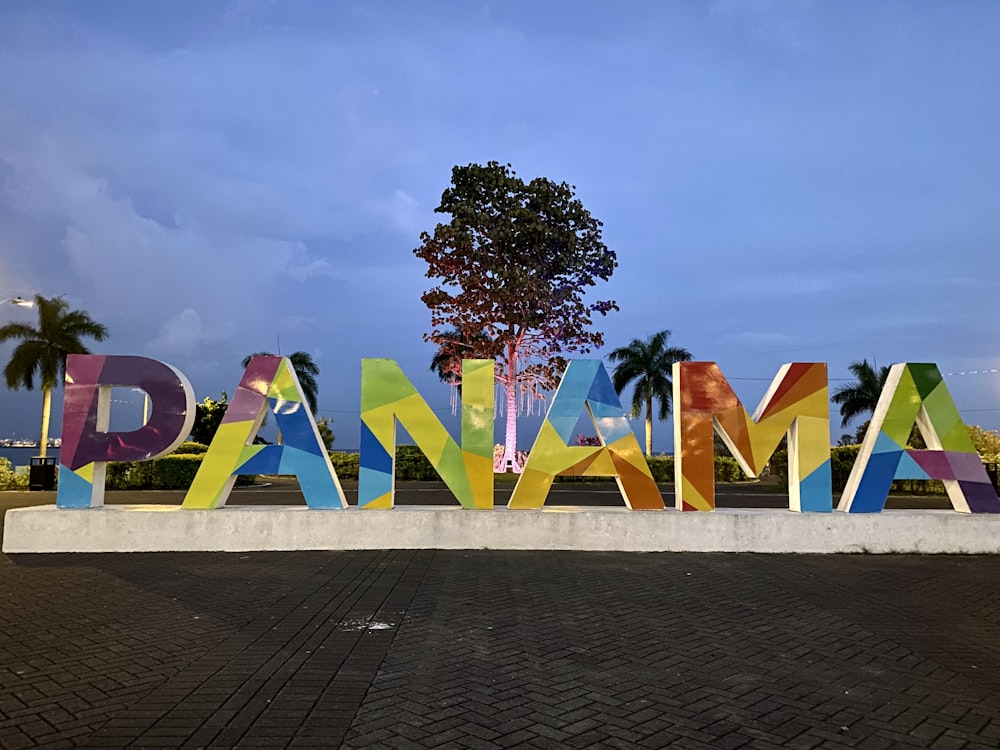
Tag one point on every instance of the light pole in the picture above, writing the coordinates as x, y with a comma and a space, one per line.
18, 301
145, 405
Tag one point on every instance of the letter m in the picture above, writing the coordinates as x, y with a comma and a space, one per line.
797, 405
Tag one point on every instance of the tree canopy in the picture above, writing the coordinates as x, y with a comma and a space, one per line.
513, 265
648, 366
43, 350
860, 396
208, 417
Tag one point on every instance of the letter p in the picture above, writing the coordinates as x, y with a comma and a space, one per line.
87, 445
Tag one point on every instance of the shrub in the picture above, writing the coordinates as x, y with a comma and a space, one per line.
412, 465
345, 464
662, 468
129, 475
10, 479
190, 447
175, 472
727, 469
842, 458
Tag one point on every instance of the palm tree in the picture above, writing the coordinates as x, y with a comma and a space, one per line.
447, 361
305, 370
43, 350
648, 366
861, 396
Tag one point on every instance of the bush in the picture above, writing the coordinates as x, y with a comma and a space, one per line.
727, 469
345, 464
129, 475
190, 447
662, 468
412, 465
842, 458
10, 479
174, 472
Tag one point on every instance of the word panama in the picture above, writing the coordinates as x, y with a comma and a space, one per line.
795, 406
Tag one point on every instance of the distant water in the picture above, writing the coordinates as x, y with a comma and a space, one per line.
23, 456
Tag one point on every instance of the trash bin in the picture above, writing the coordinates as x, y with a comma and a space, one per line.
42, 473
993, 470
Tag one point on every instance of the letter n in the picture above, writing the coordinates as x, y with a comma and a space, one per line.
387, 395
88, 446
796, 404
586, 385
916, 394
269, 383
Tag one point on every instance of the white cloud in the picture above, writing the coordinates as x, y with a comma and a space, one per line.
403, 213
182, 334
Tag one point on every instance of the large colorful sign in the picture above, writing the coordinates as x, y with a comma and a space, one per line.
796, 407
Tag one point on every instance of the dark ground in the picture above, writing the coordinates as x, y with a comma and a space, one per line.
422, 649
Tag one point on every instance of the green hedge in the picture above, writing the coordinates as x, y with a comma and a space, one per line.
842, 458
173, 472
726, 469
190, 446
345, 464
10, 479
177, 470
412, 465
662, 468
129, 475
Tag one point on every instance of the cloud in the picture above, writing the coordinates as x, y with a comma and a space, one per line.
403, 213
182, 334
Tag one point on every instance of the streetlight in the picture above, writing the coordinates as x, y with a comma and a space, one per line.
19, 302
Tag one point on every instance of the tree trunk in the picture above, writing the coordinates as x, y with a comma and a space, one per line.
649, 425
509, 460
46, 412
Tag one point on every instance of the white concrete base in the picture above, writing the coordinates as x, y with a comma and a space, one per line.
168, 528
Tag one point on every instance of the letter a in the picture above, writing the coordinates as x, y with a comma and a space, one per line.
269, 382
586, 385
916, 394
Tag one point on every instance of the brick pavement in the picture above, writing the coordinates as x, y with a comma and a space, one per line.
499, 649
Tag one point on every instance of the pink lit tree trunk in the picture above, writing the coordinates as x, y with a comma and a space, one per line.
512, 266
509, 462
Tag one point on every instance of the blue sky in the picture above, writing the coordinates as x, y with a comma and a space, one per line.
782, 179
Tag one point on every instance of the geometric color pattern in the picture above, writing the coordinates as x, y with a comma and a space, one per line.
915, 393
586, 385
796, 405
388, 396
268, 384
87, 445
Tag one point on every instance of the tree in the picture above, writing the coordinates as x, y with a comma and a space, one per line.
861, 396
987, 442
513, 264
453, 347
208, 417
43, 350
648, 366
305, 370
325, 431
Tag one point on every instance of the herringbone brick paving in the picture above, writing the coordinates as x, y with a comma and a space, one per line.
499, 649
